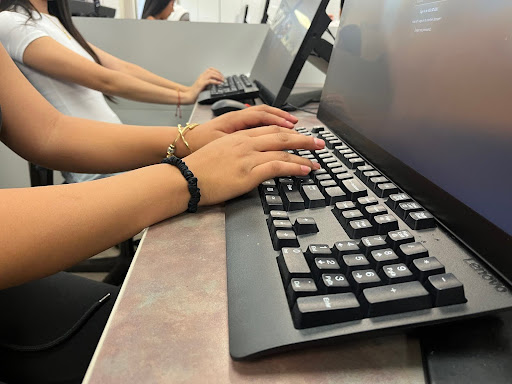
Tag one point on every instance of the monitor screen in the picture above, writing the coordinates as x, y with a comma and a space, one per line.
426, 85
286, 47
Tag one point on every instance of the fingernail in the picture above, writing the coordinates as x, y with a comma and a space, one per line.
305, 168
319, 143
289, 124
316, 165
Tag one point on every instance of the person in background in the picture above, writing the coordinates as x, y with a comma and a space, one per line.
158, 9
51, 321
180, 13
73, 74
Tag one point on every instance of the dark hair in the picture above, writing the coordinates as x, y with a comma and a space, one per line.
59, 9
153, 7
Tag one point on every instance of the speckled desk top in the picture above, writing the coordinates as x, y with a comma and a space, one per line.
170, 323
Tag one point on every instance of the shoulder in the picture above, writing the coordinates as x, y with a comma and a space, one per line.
12, 19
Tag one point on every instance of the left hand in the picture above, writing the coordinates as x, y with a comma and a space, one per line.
261, 115
210, 76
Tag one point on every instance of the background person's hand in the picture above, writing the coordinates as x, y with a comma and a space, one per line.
252, 117
237, 163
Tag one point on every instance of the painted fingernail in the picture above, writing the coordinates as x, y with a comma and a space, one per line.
319, 143
305, 168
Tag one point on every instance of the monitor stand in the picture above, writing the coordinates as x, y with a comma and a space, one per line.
300, 99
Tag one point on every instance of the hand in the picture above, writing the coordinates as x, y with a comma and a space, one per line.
210, 76
233, 122
237, 163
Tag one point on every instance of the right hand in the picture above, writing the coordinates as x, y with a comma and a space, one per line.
237, 163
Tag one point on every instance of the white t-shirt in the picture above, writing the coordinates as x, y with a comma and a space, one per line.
69, 98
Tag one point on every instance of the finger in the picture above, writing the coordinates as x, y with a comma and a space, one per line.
260, 131
278, 168
281, 141
278, 112
265, 157
256, 117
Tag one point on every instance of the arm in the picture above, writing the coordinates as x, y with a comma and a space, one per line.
66, 65
50, 228
212, 76
91, 146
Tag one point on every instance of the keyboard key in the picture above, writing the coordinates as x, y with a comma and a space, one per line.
446, 289
284, 239
317, 250
354, 189
313, 198
341, 248
374, 210
382, 257
397, 238
363, 168
355, 162
396, 298
385, 224
339, 177
396, 273
269, 191
278, 215
342, 206
425, 267
354, 262
337, 171
363, 202
323, 185
325, 265
334, 195
411, 251
359, 228
334, 283
300, 287
363, 279
395, 199
386, 189
372, 183
277, 225
305, 225
318, 172
317, 129
292, 264
368, 175
268, 183
420, 220
272, 202
371, 243
292, 200
347, 216
405, 208
327, 309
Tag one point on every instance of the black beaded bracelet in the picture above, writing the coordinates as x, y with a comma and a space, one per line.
195, 193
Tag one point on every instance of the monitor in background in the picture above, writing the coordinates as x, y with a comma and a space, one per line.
423, 91
90, 9
294, 31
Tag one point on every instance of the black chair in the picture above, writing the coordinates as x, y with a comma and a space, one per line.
117, 266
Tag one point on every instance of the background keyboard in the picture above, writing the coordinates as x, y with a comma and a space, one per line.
343, 251
236, 87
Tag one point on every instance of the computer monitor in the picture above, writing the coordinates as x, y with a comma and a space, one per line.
423, 90
294, 31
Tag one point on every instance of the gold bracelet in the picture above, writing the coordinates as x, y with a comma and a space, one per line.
171, 150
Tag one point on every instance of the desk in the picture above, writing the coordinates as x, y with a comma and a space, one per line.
169, 324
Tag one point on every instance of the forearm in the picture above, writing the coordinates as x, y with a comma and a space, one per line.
65, 224
143, 74
78, 145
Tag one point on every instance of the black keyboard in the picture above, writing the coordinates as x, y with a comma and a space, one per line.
237, 87
343, 251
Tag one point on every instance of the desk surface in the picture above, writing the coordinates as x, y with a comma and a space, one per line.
169, 324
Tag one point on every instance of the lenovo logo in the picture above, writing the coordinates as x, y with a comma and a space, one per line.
484, 274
